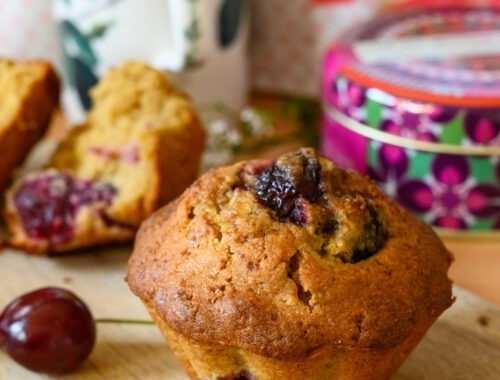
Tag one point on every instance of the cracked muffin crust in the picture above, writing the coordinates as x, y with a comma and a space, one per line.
293, 267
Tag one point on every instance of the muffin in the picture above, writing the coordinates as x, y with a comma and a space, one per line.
139, 148
289, 269
29, 95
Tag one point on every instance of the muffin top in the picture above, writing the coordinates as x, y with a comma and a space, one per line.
283, 257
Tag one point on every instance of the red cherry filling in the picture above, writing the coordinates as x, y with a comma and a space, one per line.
49, 330
49, 203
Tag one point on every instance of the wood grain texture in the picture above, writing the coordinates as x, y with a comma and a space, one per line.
463, 344
477, 265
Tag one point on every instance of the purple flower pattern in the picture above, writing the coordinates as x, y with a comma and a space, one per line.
483, 129
447, 197
349, 98
444, 195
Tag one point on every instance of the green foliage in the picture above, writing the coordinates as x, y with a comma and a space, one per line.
253, 128
306, 113
99, 30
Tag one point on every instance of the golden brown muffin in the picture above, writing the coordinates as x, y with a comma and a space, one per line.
143, 135
139, 148
289, 269
29, 93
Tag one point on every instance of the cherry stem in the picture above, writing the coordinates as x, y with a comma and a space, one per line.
124, 321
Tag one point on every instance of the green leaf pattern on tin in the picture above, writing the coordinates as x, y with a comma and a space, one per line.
453, 131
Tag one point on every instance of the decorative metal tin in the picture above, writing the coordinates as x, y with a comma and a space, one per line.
426, 129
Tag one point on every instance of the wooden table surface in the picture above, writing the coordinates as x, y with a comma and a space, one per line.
463, 344
476, 266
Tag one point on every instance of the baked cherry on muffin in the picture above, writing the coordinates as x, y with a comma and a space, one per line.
289, 269
139, 148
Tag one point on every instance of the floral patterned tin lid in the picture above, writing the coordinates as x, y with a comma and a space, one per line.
449, 56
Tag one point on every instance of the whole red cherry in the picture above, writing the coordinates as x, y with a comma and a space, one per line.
49, 330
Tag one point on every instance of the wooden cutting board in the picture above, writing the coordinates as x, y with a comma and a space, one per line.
463, 344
